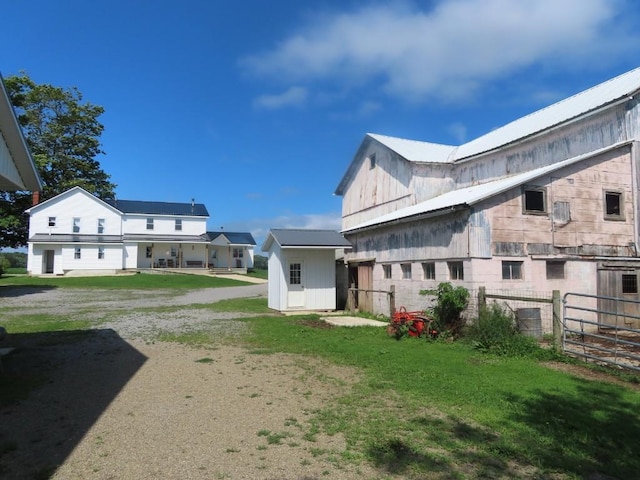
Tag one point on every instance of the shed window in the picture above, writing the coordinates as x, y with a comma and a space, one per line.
534, 200
613, 205
456, 270
555, 270
149, 223
386, 270
406, 271
295, 271
629, 283
429, 270
511, 270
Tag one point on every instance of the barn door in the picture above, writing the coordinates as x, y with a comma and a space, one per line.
295, 290
618, 283
365, 284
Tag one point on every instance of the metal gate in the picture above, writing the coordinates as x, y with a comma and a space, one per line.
599, 329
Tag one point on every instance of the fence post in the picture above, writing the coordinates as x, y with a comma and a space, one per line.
557, 320
350, 299
392, 300
482, 298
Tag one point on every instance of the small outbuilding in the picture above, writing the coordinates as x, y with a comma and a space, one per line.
302, 268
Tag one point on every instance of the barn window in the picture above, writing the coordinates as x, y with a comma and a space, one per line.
629, 283
511, 270
534, 201
372, 161
429, 270
295, 270
386, 271
456, 270
613, 205
555, 270
406, 271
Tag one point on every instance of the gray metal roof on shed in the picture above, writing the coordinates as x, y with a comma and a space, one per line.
160, 208
235, 238
301, 238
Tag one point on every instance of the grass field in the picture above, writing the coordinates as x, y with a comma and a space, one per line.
428, 409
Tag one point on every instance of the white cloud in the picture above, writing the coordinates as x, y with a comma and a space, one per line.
449, 50
459, 132
293, 97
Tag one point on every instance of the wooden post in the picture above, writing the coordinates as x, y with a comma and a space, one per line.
557, 320
350, 298
482, 298
392, 300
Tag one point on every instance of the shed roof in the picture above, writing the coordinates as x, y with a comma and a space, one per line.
159, 208
234, 238
305, 238
465, 197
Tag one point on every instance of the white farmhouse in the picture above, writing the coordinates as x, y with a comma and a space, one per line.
78, 231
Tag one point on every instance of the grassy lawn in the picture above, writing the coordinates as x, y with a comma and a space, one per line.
138, 281
434, 410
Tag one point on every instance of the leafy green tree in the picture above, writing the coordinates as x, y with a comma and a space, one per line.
63, 134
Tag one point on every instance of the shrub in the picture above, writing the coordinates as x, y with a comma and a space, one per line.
450, 302
4, 265
495, 331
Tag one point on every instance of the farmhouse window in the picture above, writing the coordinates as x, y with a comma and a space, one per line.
52, 221
429, 270
76, 225
456, 270
613, 205
534, 200
100, 225
629, 283
149, 223
295, 270
178, 224
511, 270
100, 253
406, 271
386, 270
555, 270
76, 254
238, 252
148, 251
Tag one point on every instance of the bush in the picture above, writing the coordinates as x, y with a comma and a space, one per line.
495, 331
4, 265
450, 302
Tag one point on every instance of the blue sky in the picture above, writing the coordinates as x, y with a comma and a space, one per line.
256, 108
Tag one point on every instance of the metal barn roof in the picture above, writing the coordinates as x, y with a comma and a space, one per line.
416, 151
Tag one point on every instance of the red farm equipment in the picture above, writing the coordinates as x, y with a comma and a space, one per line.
414, 324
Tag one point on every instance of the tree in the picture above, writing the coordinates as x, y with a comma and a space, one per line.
63, 134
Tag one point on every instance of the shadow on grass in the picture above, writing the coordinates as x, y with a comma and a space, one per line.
592, 429
54, 387
8, 291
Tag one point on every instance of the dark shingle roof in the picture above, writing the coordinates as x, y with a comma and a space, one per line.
235, 238
309, 238
159, 208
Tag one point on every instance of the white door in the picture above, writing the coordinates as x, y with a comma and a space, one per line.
295, 292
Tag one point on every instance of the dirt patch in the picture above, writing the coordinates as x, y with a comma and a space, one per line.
591, 374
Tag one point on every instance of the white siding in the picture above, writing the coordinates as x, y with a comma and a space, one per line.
277, 288
163, 225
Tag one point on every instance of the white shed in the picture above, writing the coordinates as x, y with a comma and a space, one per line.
302, 268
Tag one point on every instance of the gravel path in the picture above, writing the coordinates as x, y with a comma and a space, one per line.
119, 405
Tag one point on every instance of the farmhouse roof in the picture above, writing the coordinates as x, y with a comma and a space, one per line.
159, 208
233, 238
305, 238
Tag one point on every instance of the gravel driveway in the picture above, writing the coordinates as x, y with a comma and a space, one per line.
117, 404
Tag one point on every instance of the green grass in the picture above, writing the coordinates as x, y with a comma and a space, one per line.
139, 281
43, 323
438, 407
259, 273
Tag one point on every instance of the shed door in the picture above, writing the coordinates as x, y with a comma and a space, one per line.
295, 291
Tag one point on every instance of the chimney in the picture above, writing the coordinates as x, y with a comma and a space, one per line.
35, 198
